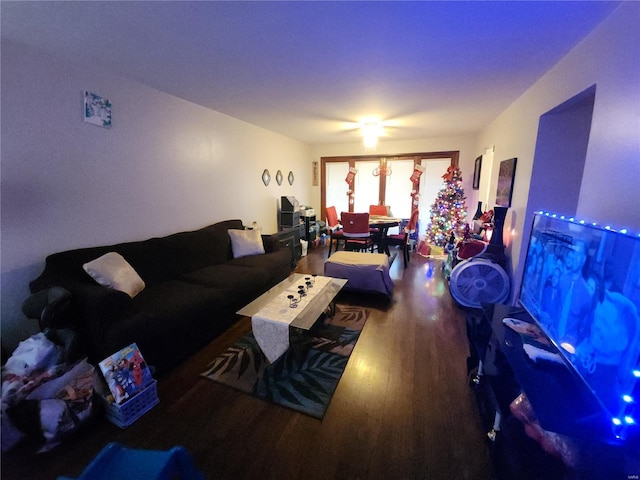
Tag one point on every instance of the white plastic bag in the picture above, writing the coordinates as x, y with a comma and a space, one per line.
35, 353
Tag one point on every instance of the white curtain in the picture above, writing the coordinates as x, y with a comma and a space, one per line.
431, 182
336, 193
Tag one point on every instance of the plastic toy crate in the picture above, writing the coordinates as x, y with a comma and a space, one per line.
127, 413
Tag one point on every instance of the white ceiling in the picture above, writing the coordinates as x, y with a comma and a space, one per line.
312, 70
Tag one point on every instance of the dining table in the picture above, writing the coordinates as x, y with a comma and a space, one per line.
383, 223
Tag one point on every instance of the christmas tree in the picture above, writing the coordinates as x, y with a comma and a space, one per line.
448, 212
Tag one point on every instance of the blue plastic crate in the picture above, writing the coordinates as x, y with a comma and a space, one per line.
127, 413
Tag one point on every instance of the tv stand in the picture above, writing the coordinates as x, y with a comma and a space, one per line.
500, 370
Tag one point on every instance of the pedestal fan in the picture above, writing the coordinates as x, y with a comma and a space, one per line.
478, 280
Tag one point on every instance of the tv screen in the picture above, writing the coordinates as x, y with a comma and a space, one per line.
581, 284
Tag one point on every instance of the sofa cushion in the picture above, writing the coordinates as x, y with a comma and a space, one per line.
171, 320
178, 300
268, 261
235, 278
168, 257
113, 271
276, 265
207, 246
246, 242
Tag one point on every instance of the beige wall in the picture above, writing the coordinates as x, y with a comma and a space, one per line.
166, 165
610, 58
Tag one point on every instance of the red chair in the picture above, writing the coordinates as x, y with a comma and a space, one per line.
401, 240
381, 210
355, 228
377, 210
335, 229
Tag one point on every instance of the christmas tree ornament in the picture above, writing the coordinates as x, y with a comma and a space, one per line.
418, 170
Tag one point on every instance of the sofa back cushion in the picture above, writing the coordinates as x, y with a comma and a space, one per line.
155, 259
197, 249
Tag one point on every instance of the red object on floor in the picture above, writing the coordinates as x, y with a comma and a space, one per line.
424, 248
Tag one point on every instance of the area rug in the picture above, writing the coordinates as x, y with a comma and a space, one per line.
306, 376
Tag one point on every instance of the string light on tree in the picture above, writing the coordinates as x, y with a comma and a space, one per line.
448, 212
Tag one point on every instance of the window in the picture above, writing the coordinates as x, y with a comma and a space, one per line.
393, 190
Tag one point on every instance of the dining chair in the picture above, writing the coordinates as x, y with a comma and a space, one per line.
378, 210
355, 228
382, 210
335, 228
401, 240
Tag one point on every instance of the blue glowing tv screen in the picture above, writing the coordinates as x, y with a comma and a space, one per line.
581, 284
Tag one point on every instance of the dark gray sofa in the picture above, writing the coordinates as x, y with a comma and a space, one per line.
193, 288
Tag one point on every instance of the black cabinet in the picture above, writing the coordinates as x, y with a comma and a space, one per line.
289, 237
289, 212
500, 370
289, 219
310, 228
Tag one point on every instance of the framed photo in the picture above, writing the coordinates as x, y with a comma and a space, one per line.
506, 176
476, 173
97, 110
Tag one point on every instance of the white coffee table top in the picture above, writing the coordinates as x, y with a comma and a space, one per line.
271, 315
308, 311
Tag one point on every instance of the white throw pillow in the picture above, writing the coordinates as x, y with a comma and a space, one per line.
113, 271
246, 242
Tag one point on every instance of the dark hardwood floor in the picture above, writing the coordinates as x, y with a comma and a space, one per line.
403, 408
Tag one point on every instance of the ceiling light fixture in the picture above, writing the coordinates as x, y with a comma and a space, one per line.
370, 132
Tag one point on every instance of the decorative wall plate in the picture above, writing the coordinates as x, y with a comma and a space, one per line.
290, 178
279, 177
266, 177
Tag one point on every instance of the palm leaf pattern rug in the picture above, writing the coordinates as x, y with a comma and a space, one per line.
306, 376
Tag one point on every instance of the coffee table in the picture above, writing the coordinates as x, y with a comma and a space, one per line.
272, 318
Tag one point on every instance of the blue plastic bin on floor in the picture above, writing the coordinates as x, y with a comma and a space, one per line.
116, 461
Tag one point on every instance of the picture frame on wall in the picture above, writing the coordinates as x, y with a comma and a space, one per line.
476, 173
266, 177
506, 177
97, 110
314, 174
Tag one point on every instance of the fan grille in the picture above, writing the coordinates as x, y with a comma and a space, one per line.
477, 281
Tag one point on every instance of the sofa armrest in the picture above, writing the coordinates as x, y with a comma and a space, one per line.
95, 308
271, 243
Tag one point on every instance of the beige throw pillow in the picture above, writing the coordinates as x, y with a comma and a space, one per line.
113, 271
246, 242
